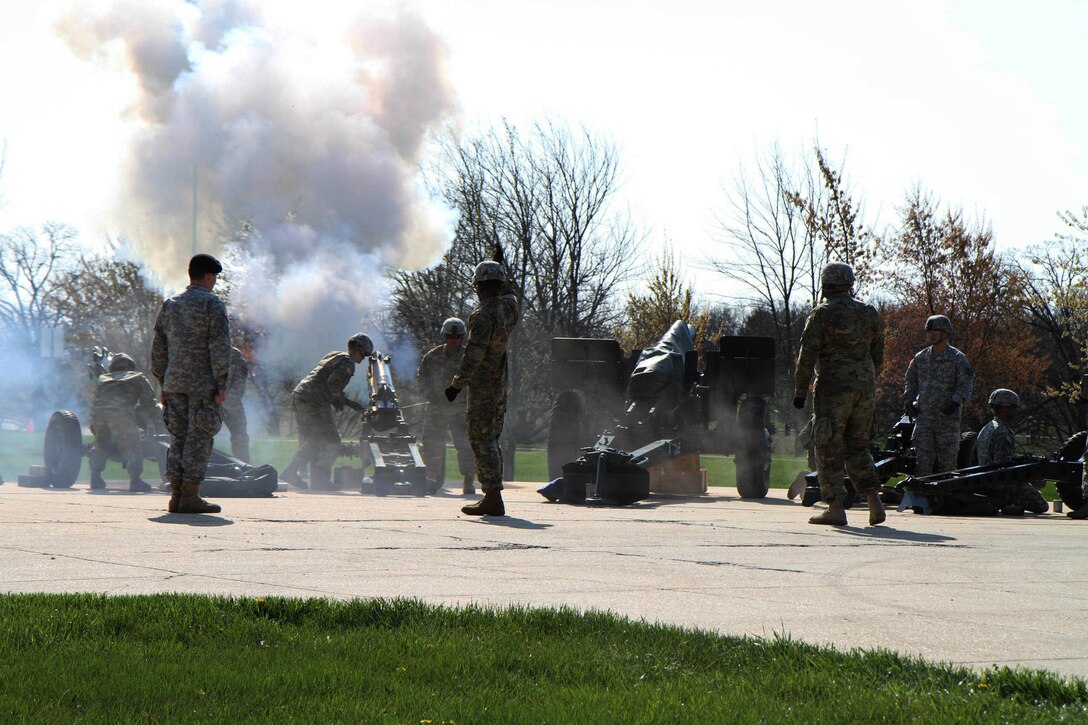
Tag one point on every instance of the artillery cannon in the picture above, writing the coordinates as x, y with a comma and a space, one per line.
385, 439
64, 450
965, 489
655, 405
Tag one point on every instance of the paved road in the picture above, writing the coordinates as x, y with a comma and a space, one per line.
972, 591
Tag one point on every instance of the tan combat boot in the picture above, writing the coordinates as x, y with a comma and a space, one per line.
490, 505
834, 516
290, 475
876, 508
191, 503
175, 496
138, 485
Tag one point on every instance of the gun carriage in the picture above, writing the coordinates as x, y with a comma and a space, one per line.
386, 440
655, 405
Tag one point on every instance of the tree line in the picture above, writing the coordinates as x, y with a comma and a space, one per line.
549, 196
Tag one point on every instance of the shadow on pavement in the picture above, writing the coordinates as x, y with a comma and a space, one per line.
886, 532
191, 520
509, 522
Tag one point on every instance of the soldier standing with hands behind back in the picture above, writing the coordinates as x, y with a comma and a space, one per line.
939, 382
483, 370
190, 357
843, 345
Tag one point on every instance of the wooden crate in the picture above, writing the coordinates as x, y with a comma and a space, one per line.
680, 475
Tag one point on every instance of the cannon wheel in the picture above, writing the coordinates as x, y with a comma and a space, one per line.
63, 448
753, 457
967, 455
566, 431
1072, 450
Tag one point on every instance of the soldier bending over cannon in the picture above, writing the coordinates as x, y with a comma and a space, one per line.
313, 400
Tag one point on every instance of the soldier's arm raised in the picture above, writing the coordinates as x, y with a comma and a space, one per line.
811, 342
480, 330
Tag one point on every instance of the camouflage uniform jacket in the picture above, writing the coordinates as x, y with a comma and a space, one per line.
121, 392
936, 379
191, 351
435, 371
239, 373
842, 345
995, 443
483, 362
326, 382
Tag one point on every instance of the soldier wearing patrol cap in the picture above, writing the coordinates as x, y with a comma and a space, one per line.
444, 418
190, 357
996, 444
842, 346
939, 382
483, 371
313, 400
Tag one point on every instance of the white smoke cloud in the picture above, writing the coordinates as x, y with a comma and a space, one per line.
310, 139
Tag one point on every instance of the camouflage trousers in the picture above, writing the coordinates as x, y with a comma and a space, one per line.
484, 417
193, 421
936, 444
841, 433
1028, 498
116, 434
234, 417
440, 421
318, 437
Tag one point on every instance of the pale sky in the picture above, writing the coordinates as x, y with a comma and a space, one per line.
981, 101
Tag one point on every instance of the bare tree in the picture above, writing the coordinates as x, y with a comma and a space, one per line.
31, 264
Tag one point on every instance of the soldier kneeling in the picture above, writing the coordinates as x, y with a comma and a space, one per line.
121, 398
996, 444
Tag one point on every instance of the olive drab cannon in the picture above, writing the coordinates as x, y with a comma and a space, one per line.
386, 440
615, 416
64, 450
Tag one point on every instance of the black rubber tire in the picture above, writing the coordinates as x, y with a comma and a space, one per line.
967, 455
63, 448
753, 457
1073, 448
567, 433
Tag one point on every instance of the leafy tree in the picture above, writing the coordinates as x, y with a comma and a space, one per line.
667, 299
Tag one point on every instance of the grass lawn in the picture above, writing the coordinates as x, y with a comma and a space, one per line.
169, 658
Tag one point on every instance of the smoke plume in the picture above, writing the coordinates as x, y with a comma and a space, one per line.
304, 144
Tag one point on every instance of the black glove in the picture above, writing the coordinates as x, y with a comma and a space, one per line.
799, 402
451, 393
951, 408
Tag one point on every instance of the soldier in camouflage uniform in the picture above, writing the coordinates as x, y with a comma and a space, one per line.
190, 357
842, 345
939, 381
483, 370
996, 444
234, 413
313, 400
444, 418
122, 400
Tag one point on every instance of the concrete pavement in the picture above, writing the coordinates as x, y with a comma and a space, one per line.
971, 591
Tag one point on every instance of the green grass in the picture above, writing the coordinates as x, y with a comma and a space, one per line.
169, 658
